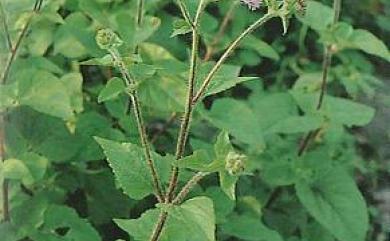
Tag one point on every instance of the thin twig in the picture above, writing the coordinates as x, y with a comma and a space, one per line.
5, 187
189, 186
328, 52
186, 14
229, 51
221, 31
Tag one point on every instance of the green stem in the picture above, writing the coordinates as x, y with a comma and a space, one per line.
328, 53
229, 51
189, 186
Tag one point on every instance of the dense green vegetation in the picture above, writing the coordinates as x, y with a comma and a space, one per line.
184, 120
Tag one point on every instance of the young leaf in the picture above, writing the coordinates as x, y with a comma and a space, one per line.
113, 88
335, 201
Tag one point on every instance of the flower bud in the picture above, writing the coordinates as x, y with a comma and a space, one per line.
235, 163
108, 39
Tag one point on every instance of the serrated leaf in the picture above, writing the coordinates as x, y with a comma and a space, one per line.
130, 168
194, 220
113, 88
335, 201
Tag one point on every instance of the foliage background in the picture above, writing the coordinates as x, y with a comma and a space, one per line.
61, 186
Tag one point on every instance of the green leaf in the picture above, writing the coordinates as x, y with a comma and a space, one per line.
335, 201
249, 228
297, 124
225, 78
180, 27
130, 168
261, 47
237, 118
56, 217
337, 110
194, 219
16, 169
73, 83
369, 43
113, 88
318, 16
45, 93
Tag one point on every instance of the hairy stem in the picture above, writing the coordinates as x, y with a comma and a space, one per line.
229, 51
185, 124
131, 84
188, 187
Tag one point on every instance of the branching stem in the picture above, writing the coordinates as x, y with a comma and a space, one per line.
229, 51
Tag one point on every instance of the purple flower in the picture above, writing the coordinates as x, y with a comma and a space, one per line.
252, 4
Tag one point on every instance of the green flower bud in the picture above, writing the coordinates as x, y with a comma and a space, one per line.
235, 163
108, 39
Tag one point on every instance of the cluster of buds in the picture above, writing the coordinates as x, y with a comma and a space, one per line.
235, 163
107, 39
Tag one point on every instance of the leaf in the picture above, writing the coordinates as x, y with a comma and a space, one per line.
297, 124
130, 168
73, 83
180, 27
335, 201
249, 228
369, 43
225, 78
45, 93
57, 217
337, 110
237, 118
261, 47
318, 16
113, 88
194, 220
16, 169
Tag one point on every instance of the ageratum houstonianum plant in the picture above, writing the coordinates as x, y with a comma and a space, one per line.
157, 142
228, 163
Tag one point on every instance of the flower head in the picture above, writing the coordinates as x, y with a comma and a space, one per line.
252, 4
107, 39
235, 163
